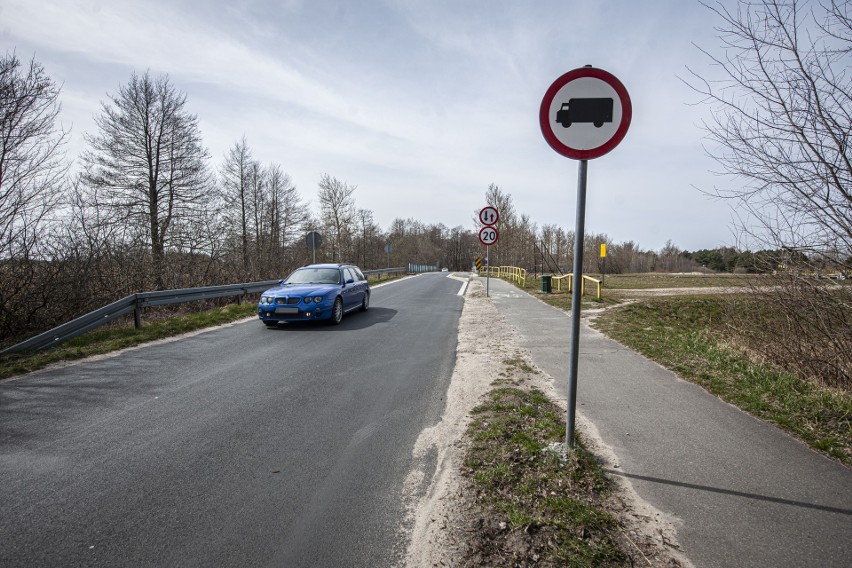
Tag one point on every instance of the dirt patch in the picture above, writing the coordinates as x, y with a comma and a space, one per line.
440, 529
650, 292
447, 521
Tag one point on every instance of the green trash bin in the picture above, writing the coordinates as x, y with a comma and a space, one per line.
545, 283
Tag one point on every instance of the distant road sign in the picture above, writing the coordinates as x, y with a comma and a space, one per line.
585, 113
603, 250
314, 240
488, 235
478, 263
488, 215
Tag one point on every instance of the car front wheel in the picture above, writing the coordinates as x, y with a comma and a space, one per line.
337, 312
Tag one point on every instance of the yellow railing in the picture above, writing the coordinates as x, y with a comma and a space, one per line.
519, 275
513, 273
556, 282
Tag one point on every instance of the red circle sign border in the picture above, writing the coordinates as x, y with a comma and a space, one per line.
496, 213
544, 113
496, 235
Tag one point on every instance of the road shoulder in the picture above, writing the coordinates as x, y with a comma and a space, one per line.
441, 519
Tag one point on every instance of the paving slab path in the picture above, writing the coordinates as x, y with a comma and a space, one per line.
742, 492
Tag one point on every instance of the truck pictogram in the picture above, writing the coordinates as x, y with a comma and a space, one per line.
596, 111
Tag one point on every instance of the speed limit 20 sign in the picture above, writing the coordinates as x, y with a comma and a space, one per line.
488, 235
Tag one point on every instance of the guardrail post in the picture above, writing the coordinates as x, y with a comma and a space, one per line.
137, 312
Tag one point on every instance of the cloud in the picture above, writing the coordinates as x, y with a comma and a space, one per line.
420, 104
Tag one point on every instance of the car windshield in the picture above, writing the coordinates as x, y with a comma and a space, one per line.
314, 276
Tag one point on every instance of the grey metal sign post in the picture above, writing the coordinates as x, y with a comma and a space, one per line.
314, 241
388, 250
584, 114
488, 235
487, 272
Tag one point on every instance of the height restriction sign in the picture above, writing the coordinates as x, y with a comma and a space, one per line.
585, 113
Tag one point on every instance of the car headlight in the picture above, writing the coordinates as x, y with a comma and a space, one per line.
318, 299
266, 300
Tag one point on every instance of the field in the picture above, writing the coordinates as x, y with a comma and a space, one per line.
653, 280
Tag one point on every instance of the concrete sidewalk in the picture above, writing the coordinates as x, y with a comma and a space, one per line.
745, 493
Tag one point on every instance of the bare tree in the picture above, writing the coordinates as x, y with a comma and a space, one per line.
288, 216
782, 125
32, 165
461, 248
502, 201
668, 257
235, 175
32, 175
337, 211
367, 230
260, 221
782, 109
149, 157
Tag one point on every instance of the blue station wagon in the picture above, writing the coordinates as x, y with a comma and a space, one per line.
315, 292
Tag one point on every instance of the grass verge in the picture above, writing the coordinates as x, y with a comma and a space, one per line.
535, 507
688, 335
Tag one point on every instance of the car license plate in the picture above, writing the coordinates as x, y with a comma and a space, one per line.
286, 310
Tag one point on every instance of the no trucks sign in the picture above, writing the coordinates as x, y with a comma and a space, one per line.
585, 113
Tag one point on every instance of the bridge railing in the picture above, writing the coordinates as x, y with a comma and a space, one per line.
519, 275
512, 273
557, 283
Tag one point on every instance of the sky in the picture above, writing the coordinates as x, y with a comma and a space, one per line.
421, 104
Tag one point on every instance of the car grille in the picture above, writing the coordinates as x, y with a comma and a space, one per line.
287, 300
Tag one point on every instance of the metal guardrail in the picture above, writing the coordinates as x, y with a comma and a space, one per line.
381, 271
133, 303
136, 302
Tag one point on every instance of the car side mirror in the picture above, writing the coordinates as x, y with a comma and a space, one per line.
281, 281
349, 280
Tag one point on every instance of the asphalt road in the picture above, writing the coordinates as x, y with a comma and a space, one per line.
241, 446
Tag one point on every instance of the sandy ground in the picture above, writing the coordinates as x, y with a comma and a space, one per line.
438, 518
